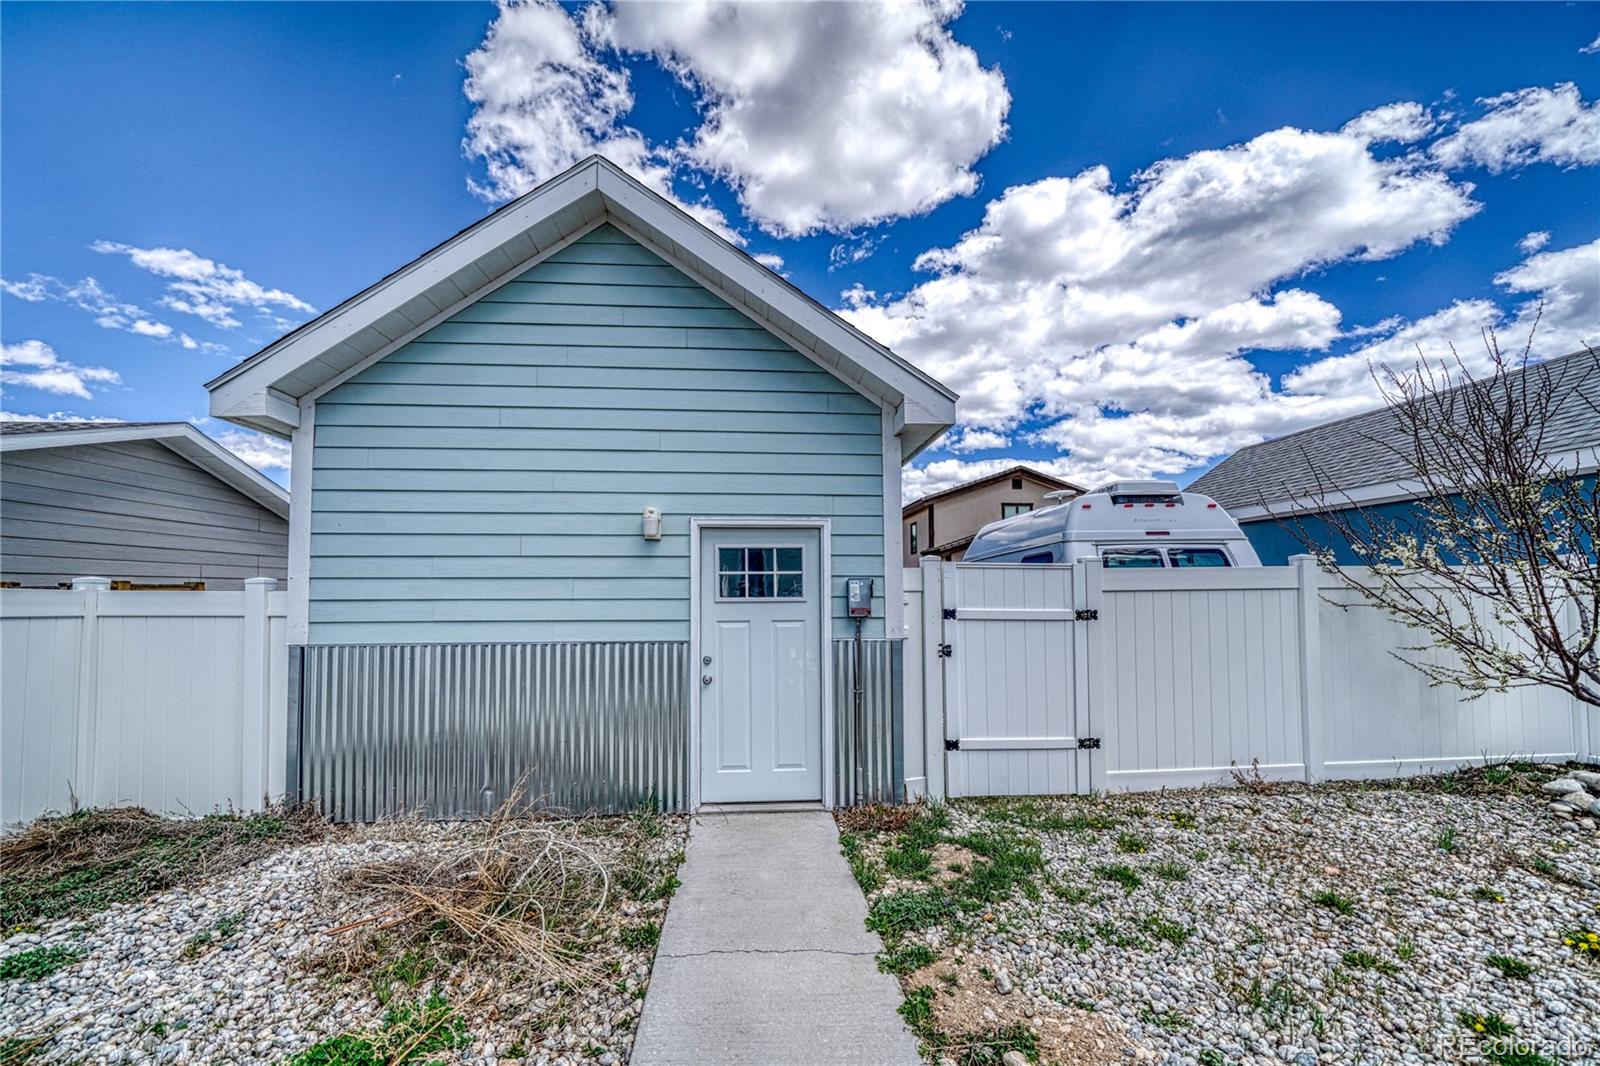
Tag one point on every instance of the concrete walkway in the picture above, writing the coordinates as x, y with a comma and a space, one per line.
764, 960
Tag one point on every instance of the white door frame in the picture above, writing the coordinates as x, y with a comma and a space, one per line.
824, 528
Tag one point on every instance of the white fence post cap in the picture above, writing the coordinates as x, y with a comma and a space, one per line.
91, 582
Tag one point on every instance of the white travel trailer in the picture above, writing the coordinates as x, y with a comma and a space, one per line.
1126, 524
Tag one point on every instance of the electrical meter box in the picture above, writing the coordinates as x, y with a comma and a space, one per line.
858, 591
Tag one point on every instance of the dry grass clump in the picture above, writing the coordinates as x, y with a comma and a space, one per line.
76, 864
534, 891
1509, 778
877, 817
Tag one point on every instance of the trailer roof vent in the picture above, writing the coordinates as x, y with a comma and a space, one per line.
1128, 493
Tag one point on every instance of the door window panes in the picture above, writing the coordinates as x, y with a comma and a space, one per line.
760, 574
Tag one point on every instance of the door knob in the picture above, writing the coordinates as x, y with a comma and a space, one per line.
705, 679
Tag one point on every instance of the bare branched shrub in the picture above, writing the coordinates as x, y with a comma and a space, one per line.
1251, 780
1494, 561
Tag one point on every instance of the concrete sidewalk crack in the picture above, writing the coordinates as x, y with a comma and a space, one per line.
763, 951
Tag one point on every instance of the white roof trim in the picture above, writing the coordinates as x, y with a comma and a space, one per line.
178, 437
1578, 461
259, 391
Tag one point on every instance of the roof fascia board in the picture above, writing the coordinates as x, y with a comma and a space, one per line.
1578, 461
178, 437
387, 296
1337, 500
693, 243
216, 460
516, 271
248, 394
867, 385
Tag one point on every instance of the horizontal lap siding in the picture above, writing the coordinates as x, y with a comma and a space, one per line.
130, 511
485, 482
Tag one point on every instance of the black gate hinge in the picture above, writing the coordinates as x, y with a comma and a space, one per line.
1089, 742
952, 745
1086, 614
945, 651
949, 613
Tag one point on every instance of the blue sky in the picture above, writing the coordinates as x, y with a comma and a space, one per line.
218, 171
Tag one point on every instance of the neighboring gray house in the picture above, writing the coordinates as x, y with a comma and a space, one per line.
588, 482
1280, 490
155, 503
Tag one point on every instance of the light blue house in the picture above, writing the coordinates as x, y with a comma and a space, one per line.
577, 496
1305, 489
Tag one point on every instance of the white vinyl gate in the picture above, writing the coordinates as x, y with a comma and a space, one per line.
1041, 680
1016, 675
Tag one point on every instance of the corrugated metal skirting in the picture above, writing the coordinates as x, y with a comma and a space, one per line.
388, 729
444, 730
882, 710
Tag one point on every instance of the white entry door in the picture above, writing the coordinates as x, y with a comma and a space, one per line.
760, 669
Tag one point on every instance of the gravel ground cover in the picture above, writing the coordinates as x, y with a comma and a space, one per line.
1443, 921
519, 939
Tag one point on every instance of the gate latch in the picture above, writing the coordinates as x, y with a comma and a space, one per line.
945, 651
1088, 742
952, 745
1086, 614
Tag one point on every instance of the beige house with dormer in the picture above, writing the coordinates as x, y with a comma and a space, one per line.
944, 523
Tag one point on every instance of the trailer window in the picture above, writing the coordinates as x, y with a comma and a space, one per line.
1131, 558
1198, 557
1039, 557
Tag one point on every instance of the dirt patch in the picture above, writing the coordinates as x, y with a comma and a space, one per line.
968, 1009
951, 862
876, 817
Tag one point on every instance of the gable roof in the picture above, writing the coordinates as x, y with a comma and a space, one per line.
264, 391
178, 437
1019, 470
1359, 459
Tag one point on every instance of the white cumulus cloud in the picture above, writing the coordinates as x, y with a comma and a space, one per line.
1533, 125
109, 312
818, 116
257, 449
1073, 296
33, 364
56, 416
205, 288
823, 116
1111, 323
543, 99
1400, 123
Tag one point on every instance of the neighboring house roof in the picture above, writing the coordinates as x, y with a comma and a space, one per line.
976, 483
178, 437
950, 545
1361, 459
264, 391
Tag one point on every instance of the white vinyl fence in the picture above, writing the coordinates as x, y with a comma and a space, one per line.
1077, 679
175, 701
